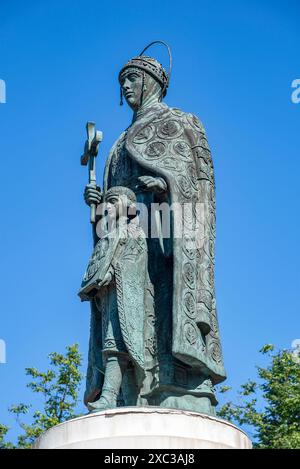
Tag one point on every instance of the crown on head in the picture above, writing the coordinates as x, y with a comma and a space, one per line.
151, 66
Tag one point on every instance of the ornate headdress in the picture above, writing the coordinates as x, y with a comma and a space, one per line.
152, 67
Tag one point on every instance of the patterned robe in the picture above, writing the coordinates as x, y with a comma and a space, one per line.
170, 144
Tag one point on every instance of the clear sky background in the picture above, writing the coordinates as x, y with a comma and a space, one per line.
234, 62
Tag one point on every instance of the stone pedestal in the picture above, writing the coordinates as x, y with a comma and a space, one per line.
144, 427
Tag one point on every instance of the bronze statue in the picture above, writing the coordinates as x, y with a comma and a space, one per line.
156, 299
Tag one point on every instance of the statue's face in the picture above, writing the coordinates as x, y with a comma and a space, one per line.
132, 86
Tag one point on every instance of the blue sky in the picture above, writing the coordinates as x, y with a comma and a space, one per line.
234, 62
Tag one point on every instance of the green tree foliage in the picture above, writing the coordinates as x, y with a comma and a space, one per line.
270, 406
3, 430
277, 425
58, 387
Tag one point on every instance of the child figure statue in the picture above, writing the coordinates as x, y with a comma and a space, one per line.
117, 284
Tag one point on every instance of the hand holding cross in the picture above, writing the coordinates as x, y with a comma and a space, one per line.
94, 137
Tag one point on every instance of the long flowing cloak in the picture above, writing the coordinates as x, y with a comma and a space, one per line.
173, 145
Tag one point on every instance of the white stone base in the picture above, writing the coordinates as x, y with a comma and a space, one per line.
144, 427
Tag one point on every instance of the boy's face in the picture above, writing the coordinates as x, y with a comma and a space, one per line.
116, 205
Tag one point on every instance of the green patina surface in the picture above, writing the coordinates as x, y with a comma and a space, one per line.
154, 337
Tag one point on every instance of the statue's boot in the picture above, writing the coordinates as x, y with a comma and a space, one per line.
107, 400
114, 370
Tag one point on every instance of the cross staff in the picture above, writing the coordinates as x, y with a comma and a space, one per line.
94, 137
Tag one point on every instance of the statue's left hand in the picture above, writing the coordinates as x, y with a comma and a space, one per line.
106, 281
150, 183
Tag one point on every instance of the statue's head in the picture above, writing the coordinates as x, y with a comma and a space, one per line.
142, 79
120, 202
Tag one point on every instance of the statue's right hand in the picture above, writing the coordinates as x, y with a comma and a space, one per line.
92, 194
